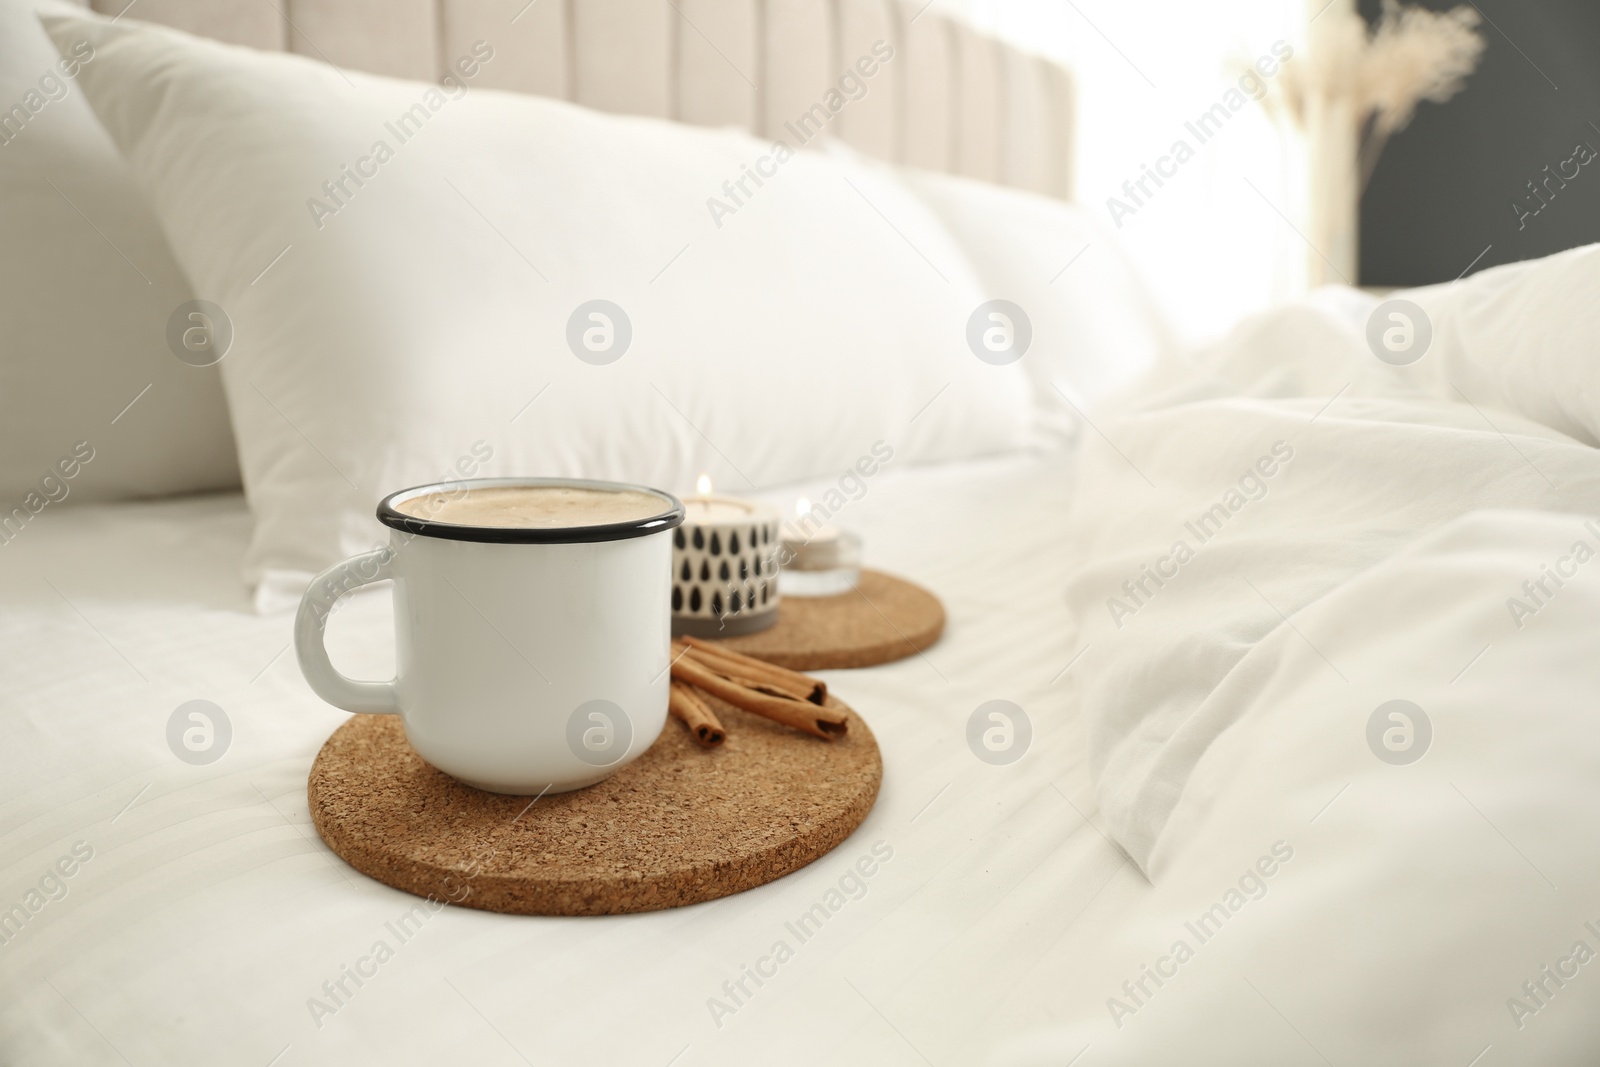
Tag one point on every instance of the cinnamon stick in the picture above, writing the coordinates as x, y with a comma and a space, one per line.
749, 679
814, 690
826, 723
686, 706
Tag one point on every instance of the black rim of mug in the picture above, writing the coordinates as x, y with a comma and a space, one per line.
670, 516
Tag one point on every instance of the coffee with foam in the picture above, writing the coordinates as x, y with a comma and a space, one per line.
541, 507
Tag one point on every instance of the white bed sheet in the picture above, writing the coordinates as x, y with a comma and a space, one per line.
211, 913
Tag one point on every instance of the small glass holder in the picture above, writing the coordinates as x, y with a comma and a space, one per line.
824, 565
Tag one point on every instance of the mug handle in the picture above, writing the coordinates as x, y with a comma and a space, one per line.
310, 629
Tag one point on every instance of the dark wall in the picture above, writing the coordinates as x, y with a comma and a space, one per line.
1445, 186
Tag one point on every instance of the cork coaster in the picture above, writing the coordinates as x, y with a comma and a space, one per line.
679, 825
883, 619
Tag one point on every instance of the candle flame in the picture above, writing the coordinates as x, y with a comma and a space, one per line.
702, 484
802, 507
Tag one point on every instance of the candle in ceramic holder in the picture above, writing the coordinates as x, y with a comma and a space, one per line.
724, 566
818, 559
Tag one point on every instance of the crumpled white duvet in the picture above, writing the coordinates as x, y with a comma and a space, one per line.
1252, 486
1276, 545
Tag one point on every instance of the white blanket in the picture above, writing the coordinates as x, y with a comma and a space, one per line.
1249, 488
1275, 548
1334, 908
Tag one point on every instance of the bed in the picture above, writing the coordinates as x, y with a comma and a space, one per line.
1317, 787
211, 912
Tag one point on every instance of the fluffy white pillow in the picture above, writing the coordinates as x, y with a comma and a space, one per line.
409, 273
1095, 325
1522, 336
87, 285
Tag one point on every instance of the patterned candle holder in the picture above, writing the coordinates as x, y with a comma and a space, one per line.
725, 567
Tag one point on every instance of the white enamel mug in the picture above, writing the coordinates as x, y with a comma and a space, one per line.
527, 660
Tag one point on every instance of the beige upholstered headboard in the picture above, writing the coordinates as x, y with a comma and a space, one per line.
954, 101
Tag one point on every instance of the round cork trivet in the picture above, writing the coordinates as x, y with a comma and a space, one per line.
882, 619
679, 825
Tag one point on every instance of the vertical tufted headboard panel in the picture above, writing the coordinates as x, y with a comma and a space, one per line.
954, 101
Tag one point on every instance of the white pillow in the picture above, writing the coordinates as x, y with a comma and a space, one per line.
1522, 336
418, 324
1096, 328
87, 285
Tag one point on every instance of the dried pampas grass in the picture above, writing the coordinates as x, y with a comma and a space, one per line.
1379, 76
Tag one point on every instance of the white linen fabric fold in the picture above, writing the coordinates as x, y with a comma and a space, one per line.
1288, 461
1320, 903
1334, 633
